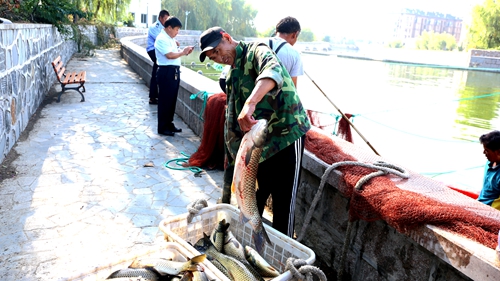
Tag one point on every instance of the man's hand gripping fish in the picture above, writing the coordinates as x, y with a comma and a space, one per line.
245, 178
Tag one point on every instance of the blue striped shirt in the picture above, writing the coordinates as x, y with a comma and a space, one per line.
153, 32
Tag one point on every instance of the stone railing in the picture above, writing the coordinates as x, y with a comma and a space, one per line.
377, 250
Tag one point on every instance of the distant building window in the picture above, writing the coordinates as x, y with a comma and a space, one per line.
155, 17
144, 18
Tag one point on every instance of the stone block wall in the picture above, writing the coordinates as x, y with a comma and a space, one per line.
26, 75
485, 59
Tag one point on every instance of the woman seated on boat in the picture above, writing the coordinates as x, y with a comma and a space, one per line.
490, 194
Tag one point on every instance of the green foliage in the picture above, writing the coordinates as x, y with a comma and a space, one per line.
306, 35
235, 16
327, 39
396, 44
268, 33
484, 31
55, 12
436, 41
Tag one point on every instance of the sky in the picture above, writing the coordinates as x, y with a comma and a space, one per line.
347, 17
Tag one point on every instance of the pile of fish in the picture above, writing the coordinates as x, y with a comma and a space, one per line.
159, 269
228, 255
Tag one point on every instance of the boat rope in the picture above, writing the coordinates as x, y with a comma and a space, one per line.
195, 207
204, 96
304, 271
382, 168
180, 161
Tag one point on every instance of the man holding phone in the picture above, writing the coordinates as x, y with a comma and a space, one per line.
168, 58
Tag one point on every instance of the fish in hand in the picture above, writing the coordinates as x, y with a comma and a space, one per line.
245, 179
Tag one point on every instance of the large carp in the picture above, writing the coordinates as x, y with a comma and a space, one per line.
245, 178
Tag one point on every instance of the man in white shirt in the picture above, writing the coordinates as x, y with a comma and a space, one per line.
287, 31
168, 58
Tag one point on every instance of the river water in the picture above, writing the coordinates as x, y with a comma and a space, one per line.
426, 119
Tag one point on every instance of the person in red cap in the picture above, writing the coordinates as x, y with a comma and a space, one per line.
259, 87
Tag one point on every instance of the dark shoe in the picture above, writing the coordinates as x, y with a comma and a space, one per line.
167, 133
153, 101
174, 129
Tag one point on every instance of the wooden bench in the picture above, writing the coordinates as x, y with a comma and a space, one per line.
68, 78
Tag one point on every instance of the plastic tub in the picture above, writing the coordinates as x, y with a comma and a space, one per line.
171, 250
177, 229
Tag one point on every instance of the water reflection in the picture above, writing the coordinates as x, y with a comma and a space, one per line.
428, 119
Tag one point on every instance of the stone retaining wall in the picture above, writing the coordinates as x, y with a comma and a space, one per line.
26, 75
377, 251
484, 59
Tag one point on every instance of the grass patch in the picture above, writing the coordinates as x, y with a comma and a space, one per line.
193, 62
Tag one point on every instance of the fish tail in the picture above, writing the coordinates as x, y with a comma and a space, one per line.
199, 259
259, 239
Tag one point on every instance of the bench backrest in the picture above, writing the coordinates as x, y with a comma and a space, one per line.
57, 64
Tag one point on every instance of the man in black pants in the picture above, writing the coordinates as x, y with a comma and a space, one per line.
168, 75
153, 32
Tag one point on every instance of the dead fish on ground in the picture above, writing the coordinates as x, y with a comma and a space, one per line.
260, 264
236, 270
244, 181
145, 274
164, 266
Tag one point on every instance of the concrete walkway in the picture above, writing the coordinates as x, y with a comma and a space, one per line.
83, 196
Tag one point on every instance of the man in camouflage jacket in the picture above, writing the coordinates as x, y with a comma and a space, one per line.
259, 87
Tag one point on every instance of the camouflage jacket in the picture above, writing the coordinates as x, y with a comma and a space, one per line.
287, 119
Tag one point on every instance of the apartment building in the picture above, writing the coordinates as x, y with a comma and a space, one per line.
412, 23
145, 12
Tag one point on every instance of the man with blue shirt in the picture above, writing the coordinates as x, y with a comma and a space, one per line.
168, 77
490, 194
153, 32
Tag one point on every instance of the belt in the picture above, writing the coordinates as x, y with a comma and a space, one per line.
169, 66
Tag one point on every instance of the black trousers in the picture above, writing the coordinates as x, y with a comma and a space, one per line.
168, 79
279, 176
153, 86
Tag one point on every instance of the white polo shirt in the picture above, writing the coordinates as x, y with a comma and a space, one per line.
165, 44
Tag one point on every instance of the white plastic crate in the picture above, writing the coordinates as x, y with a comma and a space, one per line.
170, 250
178, 230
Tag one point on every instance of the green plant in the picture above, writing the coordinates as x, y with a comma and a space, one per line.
55, 12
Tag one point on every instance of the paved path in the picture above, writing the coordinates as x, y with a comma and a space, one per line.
82, 196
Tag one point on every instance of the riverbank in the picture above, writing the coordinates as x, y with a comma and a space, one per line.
425, 58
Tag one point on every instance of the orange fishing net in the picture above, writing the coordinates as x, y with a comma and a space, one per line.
211, 151
404, 210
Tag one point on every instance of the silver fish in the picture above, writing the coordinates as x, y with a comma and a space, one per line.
164, 266
260, 264
244, 181
143, 273
236, 270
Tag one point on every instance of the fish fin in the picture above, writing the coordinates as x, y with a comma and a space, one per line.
199, 258
256, 185
248, 156
260, 239
243, 219
233, 188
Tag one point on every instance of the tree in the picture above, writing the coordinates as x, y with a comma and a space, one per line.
50, 11
484, 31
235, 16
306, 35
326, 39
107, 11
436, 41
